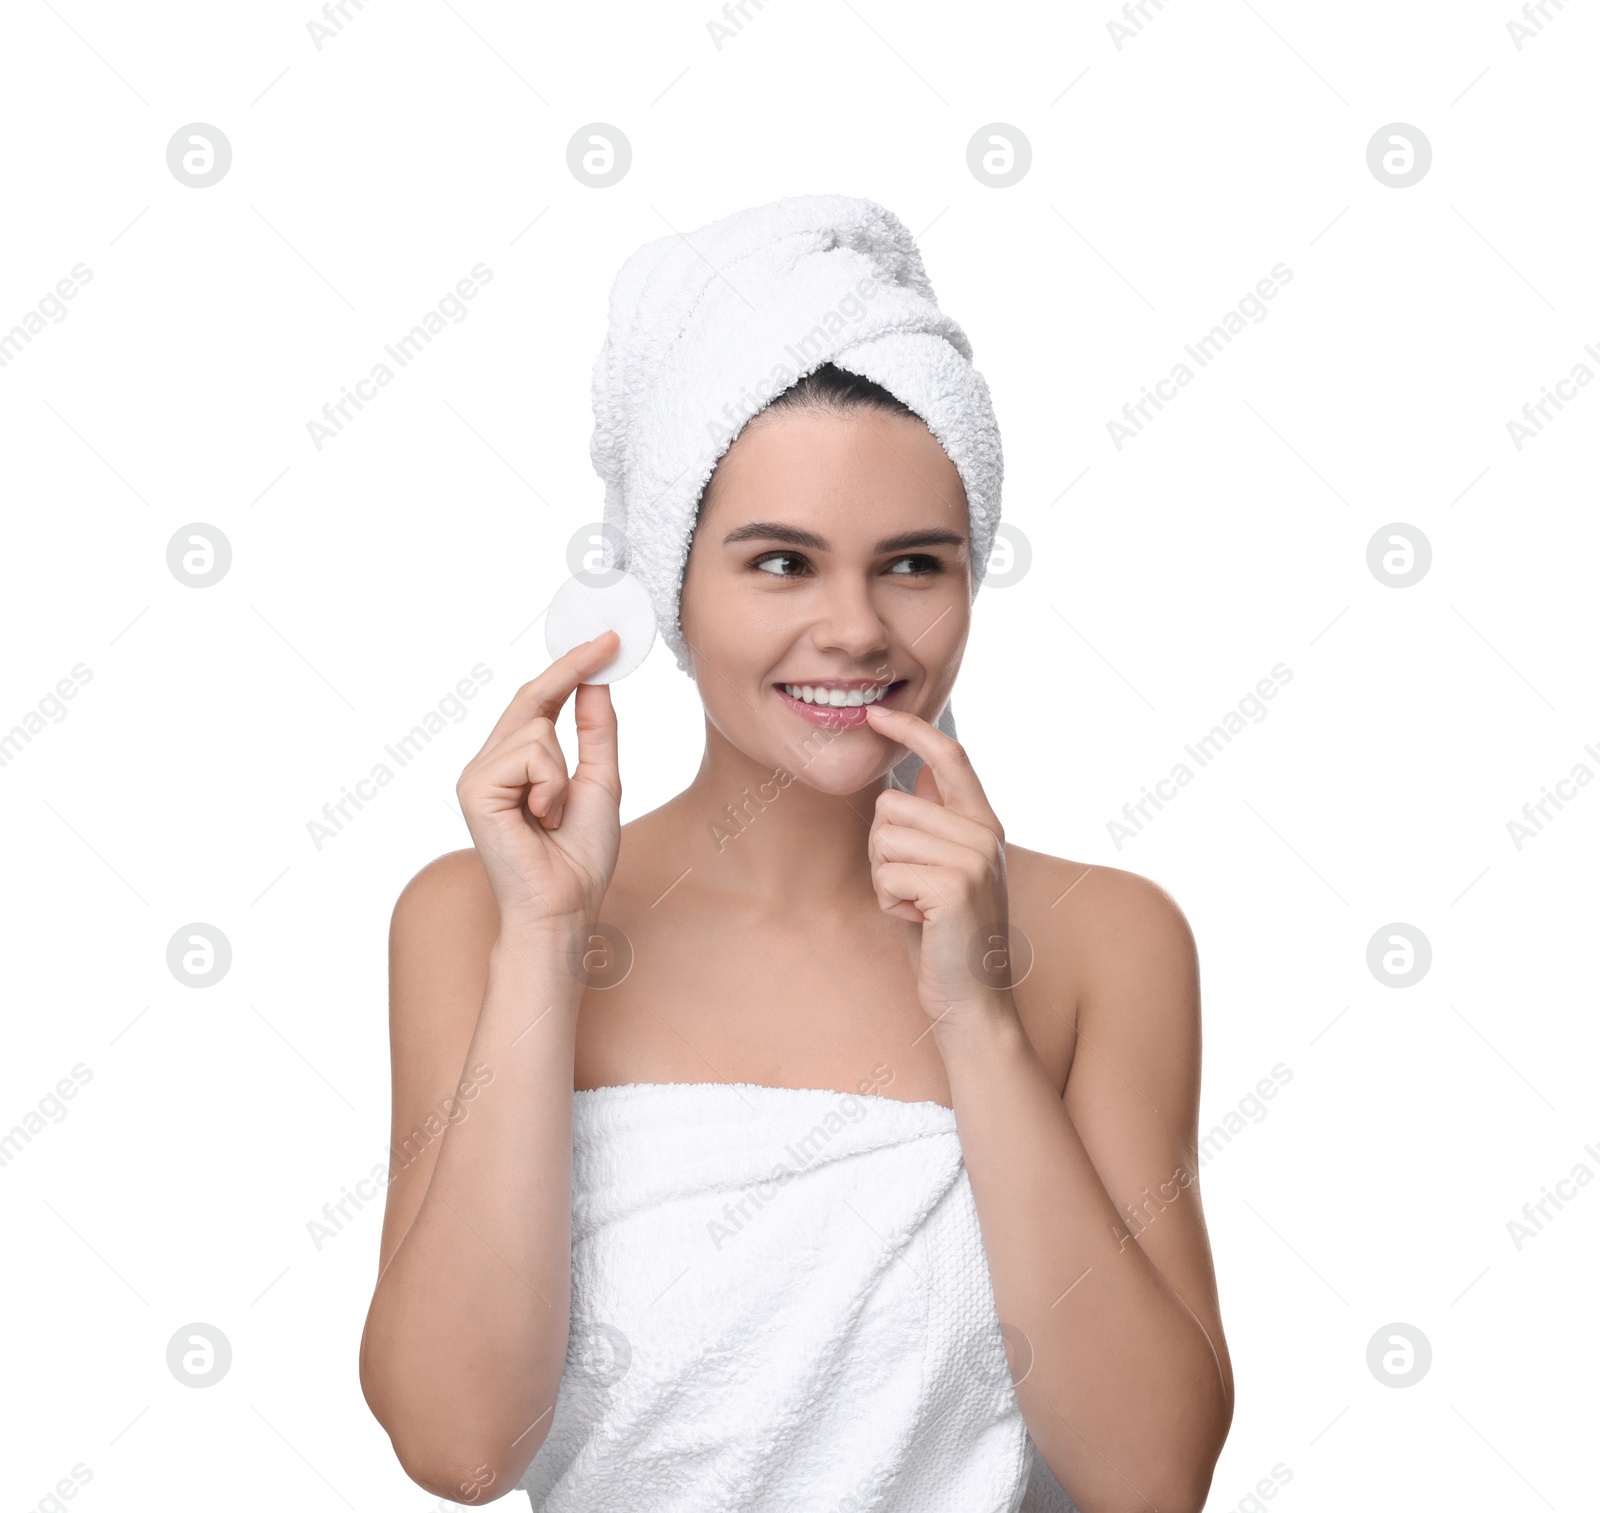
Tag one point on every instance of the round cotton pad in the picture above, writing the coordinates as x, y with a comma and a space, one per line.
588, 604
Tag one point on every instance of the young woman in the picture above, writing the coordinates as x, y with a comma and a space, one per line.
787, 938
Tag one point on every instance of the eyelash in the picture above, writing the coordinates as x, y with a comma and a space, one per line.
927, 572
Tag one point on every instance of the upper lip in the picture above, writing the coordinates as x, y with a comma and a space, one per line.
844, 683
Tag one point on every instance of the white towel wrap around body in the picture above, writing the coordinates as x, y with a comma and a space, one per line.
780, 1302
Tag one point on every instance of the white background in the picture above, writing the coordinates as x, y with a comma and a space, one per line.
1231, 534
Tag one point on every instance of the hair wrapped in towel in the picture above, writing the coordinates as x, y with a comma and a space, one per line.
706, 328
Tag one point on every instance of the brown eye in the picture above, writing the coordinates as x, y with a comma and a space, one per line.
760, 564
933, 565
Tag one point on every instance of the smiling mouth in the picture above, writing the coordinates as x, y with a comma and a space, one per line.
822, 696
815, 704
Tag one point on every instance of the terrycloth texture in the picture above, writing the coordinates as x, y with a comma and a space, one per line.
780, 1302
706, 327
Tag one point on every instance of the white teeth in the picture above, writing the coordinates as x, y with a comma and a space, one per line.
838, 698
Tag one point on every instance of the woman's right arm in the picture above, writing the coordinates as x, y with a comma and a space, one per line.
466, 1336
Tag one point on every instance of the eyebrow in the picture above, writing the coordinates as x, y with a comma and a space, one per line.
769, 530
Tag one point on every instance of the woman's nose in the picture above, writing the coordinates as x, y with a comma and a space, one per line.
848, 620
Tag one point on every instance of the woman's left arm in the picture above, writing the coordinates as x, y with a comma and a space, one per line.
1088, 1204
1091, 1219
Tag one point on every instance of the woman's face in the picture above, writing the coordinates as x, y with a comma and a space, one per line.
831, 547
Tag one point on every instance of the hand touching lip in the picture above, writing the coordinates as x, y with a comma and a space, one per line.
938, 860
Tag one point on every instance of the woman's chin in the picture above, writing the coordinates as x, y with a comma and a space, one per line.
838, 774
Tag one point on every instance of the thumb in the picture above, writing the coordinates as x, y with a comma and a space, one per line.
927, 786
596, 719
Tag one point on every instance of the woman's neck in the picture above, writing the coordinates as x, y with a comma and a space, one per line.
761, 833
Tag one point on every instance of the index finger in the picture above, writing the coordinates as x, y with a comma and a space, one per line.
945, 757
544, 696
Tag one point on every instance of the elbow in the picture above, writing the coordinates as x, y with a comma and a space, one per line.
1176, 1486
457, 1462
1184, 1488
1187, 1497
1170, 1470
1167, 1497
462, 1465
1195, 1502
1181, 1479
459, 1477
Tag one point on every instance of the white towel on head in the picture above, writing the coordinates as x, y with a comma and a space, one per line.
706, 327
781, 1303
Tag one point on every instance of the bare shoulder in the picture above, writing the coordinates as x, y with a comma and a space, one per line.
453, 885
440, 934
1096, 912
1108, 944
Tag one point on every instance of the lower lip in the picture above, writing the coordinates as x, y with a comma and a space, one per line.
846, 717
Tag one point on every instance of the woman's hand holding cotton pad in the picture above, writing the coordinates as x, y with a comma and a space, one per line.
588, 604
